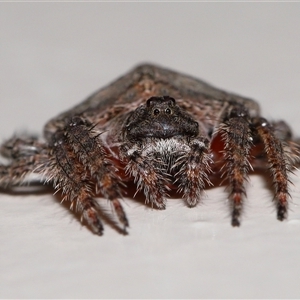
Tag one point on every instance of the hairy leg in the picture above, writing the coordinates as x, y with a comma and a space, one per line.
236, 134
88, 147
78, 161
291, 147
280, 159
148, 173
70, 176
25, 155
194, 166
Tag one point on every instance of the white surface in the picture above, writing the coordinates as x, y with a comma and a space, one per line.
53, 56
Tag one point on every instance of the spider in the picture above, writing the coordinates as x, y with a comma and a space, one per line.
161, 130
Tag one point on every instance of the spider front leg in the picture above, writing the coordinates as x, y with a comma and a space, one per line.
148, 173
69, 175
81, 168
194, 167
237, 138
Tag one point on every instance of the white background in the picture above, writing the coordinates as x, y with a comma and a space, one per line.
53, 55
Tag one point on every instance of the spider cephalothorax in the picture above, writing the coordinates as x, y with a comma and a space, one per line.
161, 130
160, 118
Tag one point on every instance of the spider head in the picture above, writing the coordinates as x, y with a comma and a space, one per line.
162, 118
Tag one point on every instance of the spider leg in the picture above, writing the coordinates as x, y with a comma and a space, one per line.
193, 173
280, 158
291, 147
88, 147
70, 176
25, 155
78, 160
236, 134
149, 176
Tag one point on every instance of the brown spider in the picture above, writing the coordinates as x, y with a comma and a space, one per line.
162, 130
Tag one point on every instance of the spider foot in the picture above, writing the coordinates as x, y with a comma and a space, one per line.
120, 213
92, 218
281, 211
235, 217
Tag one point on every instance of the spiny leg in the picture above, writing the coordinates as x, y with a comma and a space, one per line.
279, 163
70, 176
25, 155
150, 178
236, 134
87, 145
291, 147
193, 174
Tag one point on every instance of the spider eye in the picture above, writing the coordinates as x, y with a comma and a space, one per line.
156, 111
168, 111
